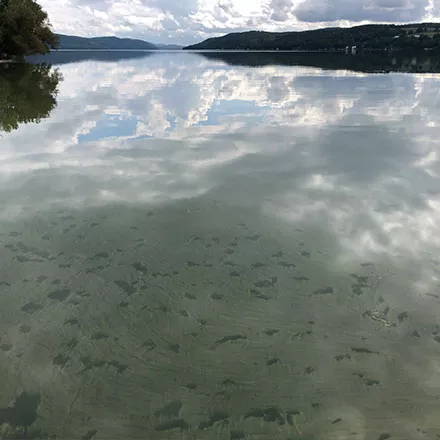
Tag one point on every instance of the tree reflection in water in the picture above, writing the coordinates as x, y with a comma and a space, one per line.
27, 93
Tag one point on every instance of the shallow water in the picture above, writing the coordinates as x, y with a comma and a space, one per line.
199, 250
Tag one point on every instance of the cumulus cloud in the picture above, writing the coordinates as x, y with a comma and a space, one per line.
281, 9
189, 21
364, 10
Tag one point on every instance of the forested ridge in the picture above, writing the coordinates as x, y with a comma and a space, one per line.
375, 36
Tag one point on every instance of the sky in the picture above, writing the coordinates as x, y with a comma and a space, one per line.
190, 21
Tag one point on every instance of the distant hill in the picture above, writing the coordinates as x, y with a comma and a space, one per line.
81, 43
376, 36
169, 47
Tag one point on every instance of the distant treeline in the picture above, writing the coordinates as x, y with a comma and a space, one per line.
368, 37
109, 43
102, 43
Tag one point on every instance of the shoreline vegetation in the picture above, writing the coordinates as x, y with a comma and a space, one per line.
373, 37
24, 30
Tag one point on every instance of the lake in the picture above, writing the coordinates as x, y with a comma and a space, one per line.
220, 246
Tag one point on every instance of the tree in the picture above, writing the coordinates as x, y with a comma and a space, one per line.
24, 29
27, 93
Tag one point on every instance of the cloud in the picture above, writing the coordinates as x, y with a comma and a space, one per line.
281, 9
363, 10
189, 21
226, 6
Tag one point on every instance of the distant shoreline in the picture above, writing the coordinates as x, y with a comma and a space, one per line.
330, 51
351, 39
116, 50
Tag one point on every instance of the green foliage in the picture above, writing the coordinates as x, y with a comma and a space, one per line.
24, 29
27, 93
378, 36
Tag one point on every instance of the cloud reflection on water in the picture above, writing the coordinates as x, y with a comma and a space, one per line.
337, 162
357, 150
